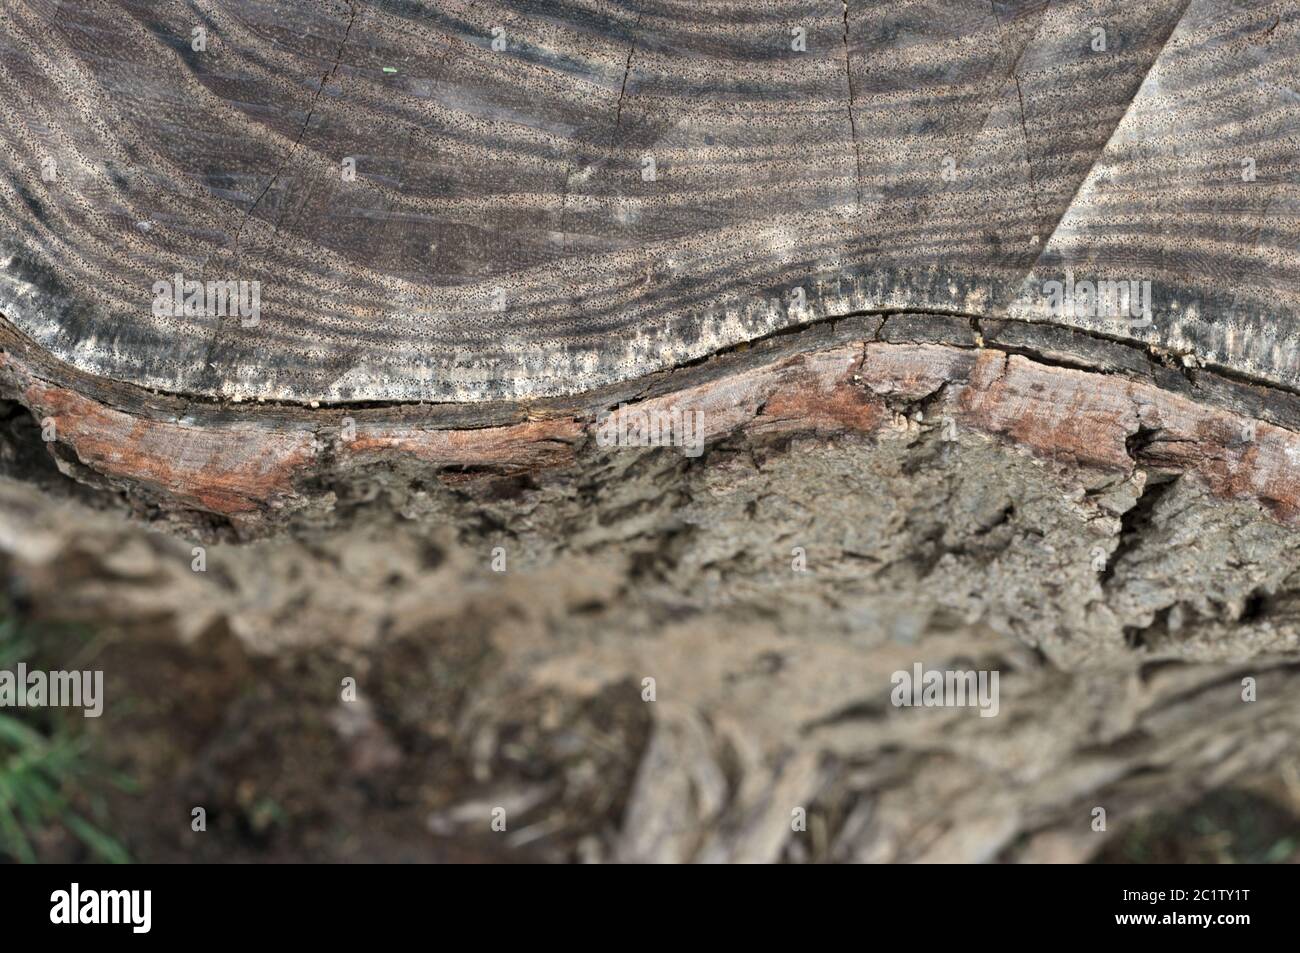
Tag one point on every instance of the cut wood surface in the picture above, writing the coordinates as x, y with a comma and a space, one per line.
454, 202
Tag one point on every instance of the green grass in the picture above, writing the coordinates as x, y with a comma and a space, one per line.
47, 770
1226, 826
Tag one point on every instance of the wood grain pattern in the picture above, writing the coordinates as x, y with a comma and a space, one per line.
500, 243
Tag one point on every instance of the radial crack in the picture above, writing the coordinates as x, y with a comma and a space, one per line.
853, 124
293, 150
622, 92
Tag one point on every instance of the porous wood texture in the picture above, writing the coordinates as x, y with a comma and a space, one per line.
504, 237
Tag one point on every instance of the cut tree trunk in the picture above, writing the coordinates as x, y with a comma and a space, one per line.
479, 246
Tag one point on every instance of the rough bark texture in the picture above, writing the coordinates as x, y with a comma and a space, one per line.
1102, 511
1120, 686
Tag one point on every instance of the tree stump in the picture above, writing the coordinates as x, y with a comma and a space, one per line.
769, 350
